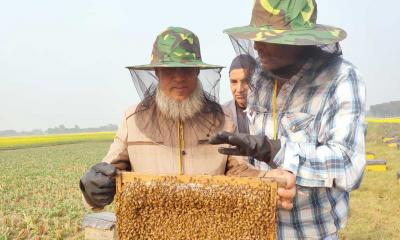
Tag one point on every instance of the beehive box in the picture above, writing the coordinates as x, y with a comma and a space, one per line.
195, 207
398, 176
99, 226
392, 145
389, 139
378, 165
370, 155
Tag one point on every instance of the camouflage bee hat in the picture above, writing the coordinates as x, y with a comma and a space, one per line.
291, 22
176, 47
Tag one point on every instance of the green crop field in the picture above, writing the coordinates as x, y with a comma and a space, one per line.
375, 206
39, 193
40, 197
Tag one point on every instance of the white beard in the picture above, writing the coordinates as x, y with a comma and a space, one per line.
180, 110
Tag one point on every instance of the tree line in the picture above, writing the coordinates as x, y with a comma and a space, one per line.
389, 109
61, 129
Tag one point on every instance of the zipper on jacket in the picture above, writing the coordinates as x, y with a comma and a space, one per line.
181, 146
274, 98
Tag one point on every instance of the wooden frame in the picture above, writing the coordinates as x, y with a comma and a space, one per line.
126, 177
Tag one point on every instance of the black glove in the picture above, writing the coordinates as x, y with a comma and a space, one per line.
98, 185
259, 147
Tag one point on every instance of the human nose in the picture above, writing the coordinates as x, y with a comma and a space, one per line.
239, 87
242, 87
179, 76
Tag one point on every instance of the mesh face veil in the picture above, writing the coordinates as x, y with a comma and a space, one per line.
319, 52
177, 48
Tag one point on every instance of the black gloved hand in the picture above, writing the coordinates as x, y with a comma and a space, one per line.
98, 184
259, 147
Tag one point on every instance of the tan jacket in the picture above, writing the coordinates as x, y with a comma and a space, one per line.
190, 155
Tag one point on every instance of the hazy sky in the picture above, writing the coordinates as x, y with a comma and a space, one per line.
62, 62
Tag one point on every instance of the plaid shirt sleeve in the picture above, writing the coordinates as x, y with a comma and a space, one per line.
338, 159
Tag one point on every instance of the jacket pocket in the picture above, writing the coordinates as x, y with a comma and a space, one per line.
203, 141
145, 143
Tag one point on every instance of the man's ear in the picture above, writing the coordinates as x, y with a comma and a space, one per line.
197, 71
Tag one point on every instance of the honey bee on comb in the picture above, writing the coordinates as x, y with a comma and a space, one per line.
195, 207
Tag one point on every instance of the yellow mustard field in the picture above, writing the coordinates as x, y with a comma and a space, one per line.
56, 139
384, 120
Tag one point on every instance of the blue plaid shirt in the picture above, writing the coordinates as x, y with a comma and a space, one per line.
320, 115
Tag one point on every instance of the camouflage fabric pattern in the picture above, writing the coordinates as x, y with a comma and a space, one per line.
176, 47
287, 22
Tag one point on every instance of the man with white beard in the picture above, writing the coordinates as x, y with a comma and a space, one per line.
168, 131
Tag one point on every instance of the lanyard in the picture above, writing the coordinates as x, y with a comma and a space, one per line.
274, 107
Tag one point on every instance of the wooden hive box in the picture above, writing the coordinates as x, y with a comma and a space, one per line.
195, 207
389, 139
378, 165
392, 145
99, 226
398, 176
370, 155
